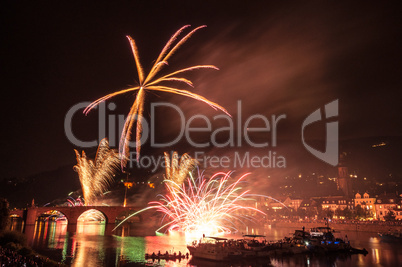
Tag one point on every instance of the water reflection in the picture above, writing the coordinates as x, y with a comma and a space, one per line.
91, 246
16, 223
91, 228
49, 234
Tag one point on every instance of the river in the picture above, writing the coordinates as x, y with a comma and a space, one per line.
90, 247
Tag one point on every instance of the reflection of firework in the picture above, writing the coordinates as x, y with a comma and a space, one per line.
96, 176
149, 82
204, 206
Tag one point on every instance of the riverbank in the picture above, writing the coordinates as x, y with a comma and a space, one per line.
358, 227
14, 251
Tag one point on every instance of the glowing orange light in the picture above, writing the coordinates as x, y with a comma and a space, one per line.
128, 184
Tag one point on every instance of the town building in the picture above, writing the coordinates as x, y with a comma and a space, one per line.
337, 202
367, 203
386, 202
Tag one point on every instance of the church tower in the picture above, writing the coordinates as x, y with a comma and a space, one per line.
344, 182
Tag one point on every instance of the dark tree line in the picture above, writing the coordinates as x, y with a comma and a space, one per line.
4, 214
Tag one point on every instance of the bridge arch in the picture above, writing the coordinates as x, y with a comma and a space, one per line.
91, 222
112, 215
93, 215
17, 213
55, 213
16, 220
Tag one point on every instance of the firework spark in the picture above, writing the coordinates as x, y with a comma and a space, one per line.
74, 202
176, 170
96, 176
204, 206
149, 82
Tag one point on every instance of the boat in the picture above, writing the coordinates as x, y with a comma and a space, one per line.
317, 240
322, 240
358, 251
253, 242
215, 248
292, 246
254, 246
166, 256
296, 244
323, 232
391, 236
301, 235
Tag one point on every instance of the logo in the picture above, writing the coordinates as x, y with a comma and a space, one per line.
236, 133
330, 155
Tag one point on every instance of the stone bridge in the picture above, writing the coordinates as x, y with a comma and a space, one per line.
111, 213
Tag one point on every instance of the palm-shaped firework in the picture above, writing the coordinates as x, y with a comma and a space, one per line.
149, 82
96, 175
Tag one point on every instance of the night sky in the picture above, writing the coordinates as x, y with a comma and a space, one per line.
278, 58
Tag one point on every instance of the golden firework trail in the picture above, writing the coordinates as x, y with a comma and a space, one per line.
177, 170
150, 82
96, 175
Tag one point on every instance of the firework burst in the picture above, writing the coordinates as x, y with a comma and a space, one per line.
74, 202
205, 206
177, 170
96, 175
149, 82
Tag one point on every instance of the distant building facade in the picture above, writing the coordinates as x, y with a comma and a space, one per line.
387, 202
337, 202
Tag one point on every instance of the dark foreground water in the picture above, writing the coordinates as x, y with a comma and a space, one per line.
90, 247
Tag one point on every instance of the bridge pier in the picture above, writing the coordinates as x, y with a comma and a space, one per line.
30, 233
71, 227
109, 228
31, 216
